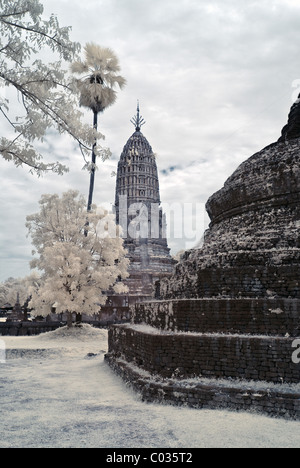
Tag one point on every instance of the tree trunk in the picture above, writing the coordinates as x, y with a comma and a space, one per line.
91, 189
78, 319
93, 170
69, 319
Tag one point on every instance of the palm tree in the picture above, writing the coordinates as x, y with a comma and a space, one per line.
98, 78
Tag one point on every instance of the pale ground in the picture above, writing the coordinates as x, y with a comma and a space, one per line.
54, 395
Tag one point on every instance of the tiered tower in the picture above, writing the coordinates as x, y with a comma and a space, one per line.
138, 212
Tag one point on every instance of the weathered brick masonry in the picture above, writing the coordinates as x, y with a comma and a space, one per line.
202, 393
252, 248
27, 328
231, 310
245, 316
221, 356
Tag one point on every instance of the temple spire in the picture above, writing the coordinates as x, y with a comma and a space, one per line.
138, 120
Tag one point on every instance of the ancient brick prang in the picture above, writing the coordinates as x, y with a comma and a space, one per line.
143, 223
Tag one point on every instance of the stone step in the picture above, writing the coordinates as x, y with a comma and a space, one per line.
273, 400
216, 315
188, 355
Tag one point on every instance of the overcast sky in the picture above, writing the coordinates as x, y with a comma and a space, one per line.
215, 80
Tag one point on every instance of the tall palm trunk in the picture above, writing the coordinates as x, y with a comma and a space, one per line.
93, 170
91, 190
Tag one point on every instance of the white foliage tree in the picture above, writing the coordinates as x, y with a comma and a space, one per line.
79, 262
22, 287
34, 95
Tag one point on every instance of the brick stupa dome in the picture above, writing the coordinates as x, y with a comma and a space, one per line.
252, 248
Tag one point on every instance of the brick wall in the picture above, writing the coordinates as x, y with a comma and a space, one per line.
27, 328
247, 316
233, 275
219, 356
36, 328
212, 395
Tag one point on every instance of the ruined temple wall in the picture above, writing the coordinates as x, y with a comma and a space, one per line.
220, 356
209, 393
279, 317
248, 274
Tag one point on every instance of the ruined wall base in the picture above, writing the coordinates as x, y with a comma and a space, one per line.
201, 370
262, 398
190, 355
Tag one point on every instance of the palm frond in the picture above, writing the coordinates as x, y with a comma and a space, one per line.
79, 67
101, 64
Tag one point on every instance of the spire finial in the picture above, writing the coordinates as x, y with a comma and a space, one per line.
138, 120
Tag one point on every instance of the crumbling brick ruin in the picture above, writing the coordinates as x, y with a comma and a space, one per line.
222, 334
